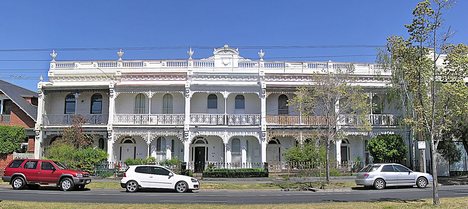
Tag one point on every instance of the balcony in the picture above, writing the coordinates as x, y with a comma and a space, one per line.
374, 119
149, 119
290, 120
219, 119
67, 119
5, 119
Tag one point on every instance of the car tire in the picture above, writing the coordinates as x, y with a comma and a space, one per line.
66, 184
18, 183
131, 186
421, 182
379, 184
181, 187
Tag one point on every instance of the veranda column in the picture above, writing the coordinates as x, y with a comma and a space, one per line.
244, 150
338, 151
148, 143
169, 149
228, 152
187, 151
110, 146
112, 96
264, 150
39, 123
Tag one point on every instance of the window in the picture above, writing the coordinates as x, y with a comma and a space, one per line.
167, 104
400, 168
235, 145
159, 171
30, 165
283, 105
16, 163
140, 104
70, 102
7, 105
160, 143
370, 168
212, 101
96, 104
142, 169
239, 102
388, 168
377, 105
101, 143
47, 166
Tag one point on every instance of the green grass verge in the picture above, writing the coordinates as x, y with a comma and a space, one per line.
418, 204
241, 185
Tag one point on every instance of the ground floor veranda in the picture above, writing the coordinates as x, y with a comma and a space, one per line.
220, 148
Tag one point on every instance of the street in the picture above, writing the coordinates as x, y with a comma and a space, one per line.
228, 196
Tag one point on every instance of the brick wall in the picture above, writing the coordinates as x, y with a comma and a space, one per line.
20, 118
4, 160
31, 144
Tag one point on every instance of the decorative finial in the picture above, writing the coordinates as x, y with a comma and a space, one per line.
261, 54
190, 53
41, 78
226, 46
53, 55
120, 53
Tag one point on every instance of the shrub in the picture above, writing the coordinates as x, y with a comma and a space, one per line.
309, 152
387, 148
84, 159
235, 173
171, 162
11, 138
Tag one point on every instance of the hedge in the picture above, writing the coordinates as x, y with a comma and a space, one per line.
235, 173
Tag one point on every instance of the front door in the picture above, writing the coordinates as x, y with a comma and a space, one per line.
127, 151
199, 159
273, 153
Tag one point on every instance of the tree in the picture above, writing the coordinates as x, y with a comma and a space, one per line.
332, 96
387, 148
11, 138
433, 96
309, 152
74, 134
77, 158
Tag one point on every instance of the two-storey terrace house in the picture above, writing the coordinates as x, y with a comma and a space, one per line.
221, 109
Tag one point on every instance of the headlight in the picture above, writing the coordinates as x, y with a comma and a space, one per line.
194, 180
79, 175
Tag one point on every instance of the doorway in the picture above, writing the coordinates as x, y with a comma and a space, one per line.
199, 159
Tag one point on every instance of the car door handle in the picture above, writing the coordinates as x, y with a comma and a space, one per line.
151, 177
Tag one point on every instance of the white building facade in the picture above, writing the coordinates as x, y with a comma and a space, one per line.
222, 109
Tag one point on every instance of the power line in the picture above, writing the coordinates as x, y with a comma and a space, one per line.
142, 48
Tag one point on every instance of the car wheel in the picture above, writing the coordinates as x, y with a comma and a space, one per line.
379, 184
131, 186
66, 184
18, 183
181, 187
421, 182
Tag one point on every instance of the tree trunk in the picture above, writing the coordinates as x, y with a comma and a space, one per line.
435, 189
327, 161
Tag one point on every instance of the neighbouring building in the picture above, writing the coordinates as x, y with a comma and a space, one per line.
221, 109
18, 107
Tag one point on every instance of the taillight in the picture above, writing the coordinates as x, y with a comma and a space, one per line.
125, 174
366, 175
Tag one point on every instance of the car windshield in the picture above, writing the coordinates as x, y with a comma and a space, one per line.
370, 168
60, 165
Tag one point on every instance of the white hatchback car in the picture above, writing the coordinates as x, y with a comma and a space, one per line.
156, 177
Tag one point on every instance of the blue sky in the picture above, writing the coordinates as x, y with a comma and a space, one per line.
209, 23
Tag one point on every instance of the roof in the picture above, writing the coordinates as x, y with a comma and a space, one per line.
17, 94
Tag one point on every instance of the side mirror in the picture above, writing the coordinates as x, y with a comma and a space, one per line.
171, 175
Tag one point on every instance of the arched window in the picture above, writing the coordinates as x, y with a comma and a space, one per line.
140, 104
377, 104
212, 101
101, 143
160, 143
96, 104
167, 104
239, 102
70, 102
283, 105
345, 151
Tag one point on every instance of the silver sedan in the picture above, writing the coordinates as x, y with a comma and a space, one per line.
391, 174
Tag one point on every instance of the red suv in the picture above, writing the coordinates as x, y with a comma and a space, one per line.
33, 172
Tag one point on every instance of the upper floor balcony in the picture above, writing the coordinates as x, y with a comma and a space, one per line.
68, 119
344, 120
